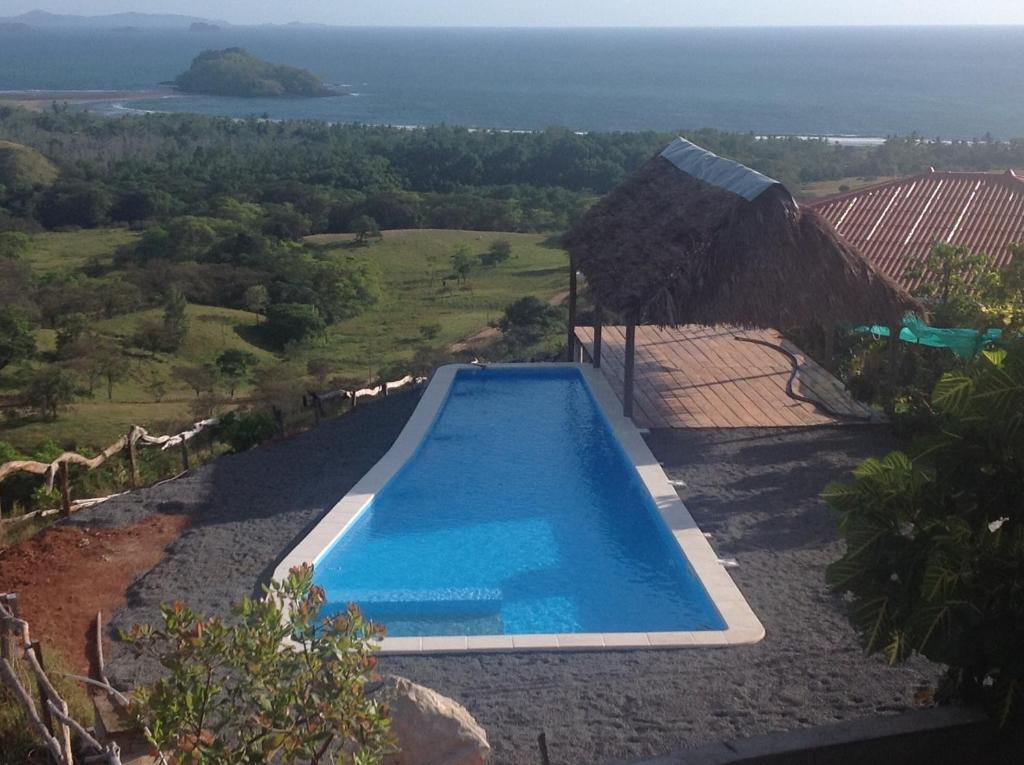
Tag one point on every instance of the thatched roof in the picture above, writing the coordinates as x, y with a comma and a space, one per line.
693, 238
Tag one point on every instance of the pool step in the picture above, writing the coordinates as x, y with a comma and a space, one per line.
449, 601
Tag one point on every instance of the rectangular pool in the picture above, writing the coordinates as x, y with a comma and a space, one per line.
518, 512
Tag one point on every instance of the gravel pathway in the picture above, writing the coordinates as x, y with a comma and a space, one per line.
754, 491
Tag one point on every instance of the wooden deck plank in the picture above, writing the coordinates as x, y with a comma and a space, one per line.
702, 377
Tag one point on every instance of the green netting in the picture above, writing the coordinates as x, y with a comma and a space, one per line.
964, 342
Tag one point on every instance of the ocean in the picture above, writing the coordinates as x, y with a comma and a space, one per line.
949, 82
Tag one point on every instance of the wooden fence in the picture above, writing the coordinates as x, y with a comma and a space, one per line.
50, 721
136, 437
316, 401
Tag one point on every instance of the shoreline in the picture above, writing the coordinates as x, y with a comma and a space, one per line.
41, 100
119, 102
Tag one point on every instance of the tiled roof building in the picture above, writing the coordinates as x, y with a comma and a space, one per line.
894, 224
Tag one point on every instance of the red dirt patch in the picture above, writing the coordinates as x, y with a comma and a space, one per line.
65, 574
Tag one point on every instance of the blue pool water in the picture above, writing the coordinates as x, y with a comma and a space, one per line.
518, 513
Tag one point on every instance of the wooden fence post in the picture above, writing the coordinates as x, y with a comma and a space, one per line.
47, 717
7, 637
65, 490
133, 466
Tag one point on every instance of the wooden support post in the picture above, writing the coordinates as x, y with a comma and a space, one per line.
598, 321
185, 463
65, 490
47, 717
627, 380
571, 339
829, 351
133, 465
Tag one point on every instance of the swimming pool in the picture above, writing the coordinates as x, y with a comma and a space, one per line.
513, 512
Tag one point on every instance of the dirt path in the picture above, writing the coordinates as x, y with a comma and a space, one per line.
65, 574
485, 337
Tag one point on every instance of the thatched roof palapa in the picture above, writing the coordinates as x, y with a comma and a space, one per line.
693, 238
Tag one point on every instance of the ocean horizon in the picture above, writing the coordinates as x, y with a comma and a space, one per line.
945, 82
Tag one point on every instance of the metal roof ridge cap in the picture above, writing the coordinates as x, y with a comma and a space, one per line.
727, 174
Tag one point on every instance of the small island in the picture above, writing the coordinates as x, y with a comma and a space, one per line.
236, 72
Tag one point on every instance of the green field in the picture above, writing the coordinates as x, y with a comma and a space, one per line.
56, 251
414, 294
412, 265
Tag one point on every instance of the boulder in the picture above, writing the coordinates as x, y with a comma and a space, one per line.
430, 729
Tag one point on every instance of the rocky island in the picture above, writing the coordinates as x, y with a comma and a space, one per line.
236, 72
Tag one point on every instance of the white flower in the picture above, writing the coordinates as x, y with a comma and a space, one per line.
997, 524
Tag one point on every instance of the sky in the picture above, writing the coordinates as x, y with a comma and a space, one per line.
544, 13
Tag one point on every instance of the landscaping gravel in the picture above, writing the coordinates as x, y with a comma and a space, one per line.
755, 492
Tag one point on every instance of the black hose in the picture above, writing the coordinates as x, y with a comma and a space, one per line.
795, 362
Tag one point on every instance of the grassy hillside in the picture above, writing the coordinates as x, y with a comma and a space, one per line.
22, 165
413, 265
56, 251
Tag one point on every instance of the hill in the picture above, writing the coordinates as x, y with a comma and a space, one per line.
44, 19
236, 72
23, 165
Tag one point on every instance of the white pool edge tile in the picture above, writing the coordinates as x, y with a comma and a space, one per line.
742, 625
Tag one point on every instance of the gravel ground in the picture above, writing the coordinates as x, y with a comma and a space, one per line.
754, 491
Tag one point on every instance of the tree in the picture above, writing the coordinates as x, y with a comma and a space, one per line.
529, 320
934, 560
499, 251
111, 365
175, 319
462, 263
344, 289
155, 384
365, 227
230, 694
234, 365
956, 283
199, 378
292, 322
17, 342
257, 298
320, 368
49, 390
70, 329
13, 245
74, 203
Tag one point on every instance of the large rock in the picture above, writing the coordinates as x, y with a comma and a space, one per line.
431, 729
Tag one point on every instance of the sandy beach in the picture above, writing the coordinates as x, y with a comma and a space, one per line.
39, 100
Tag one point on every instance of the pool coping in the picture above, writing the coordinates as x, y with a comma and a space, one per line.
742, 625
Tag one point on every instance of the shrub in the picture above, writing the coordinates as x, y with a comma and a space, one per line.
244, 430
935, 540
292, 322
232, 695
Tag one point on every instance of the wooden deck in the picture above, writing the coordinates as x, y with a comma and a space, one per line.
702, 377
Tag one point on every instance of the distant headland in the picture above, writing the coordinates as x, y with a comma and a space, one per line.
236, 72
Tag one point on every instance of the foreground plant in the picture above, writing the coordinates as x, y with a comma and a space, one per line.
935, 543
233, 694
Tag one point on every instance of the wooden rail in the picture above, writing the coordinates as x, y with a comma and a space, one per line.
316, 401
136, 437
49, 721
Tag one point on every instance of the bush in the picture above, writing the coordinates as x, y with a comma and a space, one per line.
291, 323
232, 694
242, 431
935, 541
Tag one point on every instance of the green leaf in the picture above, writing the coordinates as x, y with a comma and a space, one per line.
870, 617
952, 393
